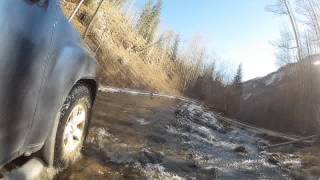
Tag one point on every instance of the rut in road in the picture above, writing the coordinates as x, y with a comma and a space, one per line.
149, 137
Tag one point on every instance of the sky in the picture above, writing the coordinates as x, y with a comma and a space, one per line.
238, 31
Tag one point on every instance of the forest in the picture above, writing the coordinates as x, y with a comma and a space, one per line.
133, 52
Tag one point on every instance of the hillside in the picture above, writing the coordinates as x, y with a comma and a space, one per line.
125, 59
285, 100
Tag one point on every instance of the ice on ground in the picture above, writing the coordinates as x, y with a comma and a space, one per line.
140, 93
122, 90
156, 171
276, 77
246, 96
271, 79
316, 63
197, 114
142, 121
98, 135
101, 132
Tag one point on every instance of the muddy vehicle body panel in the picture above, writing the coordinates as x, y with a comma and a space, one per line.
41, 58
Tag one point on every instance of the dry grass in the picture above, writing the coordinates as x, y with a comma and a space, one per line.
310, 158
118, 50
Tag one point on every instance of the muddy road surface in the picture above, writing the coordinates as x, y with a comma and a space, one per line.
148, 137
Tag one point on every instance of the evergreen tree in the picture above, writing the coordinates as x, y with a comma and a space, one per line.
234, 96
175, 48
118, 3
89, 2
237, 86
144, 20
155, 20
149, 20
95, 2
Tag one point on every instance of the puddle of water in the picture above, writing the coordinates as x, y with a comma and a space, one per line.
134, 137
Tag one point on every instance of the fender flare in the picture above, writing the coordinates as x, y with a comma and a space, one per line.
84, 72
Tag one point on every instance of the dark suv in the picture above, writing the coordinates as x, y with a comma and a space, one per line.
47, 83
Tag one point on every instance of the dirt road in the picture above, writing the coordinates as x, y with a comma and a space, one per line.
148, 137
141, 135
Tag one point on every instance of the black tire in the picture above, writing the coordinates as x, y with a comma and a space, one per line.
80, 94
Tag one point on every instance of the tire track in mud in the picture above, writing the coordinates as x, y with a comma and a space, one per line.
143, 135
151, 137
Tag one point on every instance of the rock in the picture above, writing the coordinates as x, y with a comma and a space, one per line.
120, 61
157, 139
205, 174
190, 156
274, 159
241, 149
317, 139
146, 157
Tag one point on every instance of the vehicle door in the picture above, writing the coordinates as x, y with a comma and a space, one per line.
26, 28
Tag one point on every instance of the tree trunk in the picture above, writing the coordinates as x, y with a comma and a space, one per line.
91, 21
294, 27
75, 10
292, 142
314, 18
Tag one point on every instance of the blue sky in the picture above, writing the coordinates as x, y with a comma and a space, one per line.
236, 30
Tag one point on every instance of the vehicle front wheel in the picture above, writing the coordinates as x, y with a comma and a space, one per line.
73, 126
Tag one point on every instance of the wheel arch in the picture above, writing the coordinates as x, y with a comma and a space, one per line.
47, 152
91, 84
73, 67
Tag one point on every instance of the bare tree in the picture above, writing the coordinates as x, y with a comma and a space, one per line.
159, 41
91, 21
149, 20
310, 10
283, 7
285, 48
175, 47
75, 10
89, 2
118, 3
194, 64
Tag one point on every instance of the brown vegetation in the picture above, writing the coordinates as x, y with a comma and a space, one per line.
287, 100
310, 160
129, 57
132, 54
292, 102
117, 47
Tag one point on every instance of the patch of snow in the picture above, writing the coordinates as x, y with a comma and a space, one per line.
316, 63
276, 77
101, 132
199, 138
109, 89
257, 78
194, 110
292, 162
122, 90
271, 79
142, 122
226, 145
280, 76
172, 130
204, 130
250, 164
246, 96
156, 171
99, 135
210, 117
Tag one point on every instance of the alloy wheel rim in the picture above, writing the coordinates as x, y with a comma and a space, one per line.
73, 131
